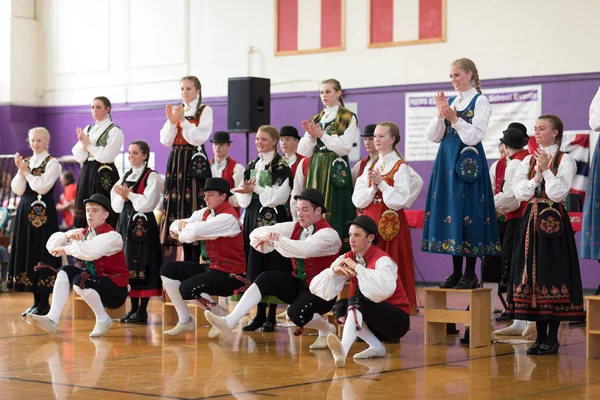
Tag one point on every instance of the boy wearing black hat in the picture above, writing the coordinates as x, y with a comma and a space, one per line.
377, 308
502, 173
312, 244
288, 142
359, 167
103, 282
219, 231
223, 166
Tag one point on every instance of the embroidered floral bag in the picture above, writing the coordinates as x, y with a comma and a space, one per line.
468, 165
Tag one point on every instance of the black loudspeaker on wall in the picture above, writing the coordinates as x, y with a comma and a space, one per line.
248, 104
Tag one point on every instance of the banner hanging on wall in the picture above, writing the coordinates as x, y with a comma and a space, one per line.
510, 104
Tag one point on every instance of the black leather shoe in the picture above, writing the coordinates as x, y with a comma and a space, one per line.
533, 350
548, 349
268, 327
40, 311
577, 323
137, 318
24, 313
502, 317
467, 282
126, 316
451, 329
450, 282
254, 325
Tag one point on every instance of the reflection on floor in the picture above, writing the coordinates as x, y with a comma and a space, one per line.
137, 362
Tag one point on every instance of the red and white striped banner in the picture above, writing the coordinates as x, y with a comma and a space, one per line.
309, 26
403, 22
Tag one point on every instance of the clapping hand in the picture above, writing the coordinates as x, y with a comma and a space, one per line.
440, 101
83, 138
314, 130
375, 177
449, 113
122, 190
247, 187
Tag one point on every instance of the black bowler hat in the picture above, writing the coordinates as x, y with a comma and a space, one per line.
289, 131
218, 184
314, 196
369, 130
99, 199
364, 222
515, 136
220, 137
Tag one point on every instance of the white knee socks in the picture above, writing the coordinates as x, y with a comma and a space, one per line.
92, 298
60, 294
350, 333
172, 288
321, 324
249, 300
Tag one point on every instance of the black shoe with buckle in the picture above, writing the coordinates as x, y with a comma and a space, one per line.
254, 325
450, 282
126, 316
467, 282
137, 318
533, 350
545, 349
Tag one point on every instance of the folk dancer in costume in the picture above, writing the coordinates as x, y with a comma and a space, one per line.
187, 128
502, 173
327, 142
359, 167
223, 166
103, 282
312, 245
378, 308
590, 232
383, 191
134, 197
460, 218
218, 229
264, 194
288, 143
35, 222
96, 149
545, 284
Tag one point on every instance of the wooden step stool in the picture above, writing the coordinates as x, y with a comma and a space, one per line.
437, 315
592, 327
81, 309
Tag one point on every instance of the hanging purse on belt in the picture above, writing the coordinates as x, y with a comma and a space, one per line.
468, 165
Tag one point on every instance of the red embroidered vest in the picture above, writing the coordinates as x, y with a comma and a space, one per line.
399, 297
307, 268
500, 172
519, 155
363, 162
294, 168
113, 267
226, 253
377, 206
179, 139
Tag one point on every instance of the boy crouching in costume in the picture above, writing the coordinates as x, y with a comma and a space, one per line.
103, 282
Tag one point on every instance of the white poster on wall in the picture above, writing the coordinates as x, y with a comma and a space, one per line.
511, 104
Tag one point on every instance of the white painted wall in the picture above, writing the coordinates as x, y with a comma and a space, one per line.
136, 50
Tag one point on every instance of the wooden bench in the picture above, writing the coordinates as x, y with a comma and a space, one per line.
81, 310
592, 327
437, 315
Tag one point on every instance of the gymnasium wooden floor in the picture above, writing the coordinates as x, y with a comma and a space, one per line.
134, 362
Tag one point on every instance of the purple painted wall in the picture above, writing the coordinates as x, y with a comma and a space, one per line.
568, 96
